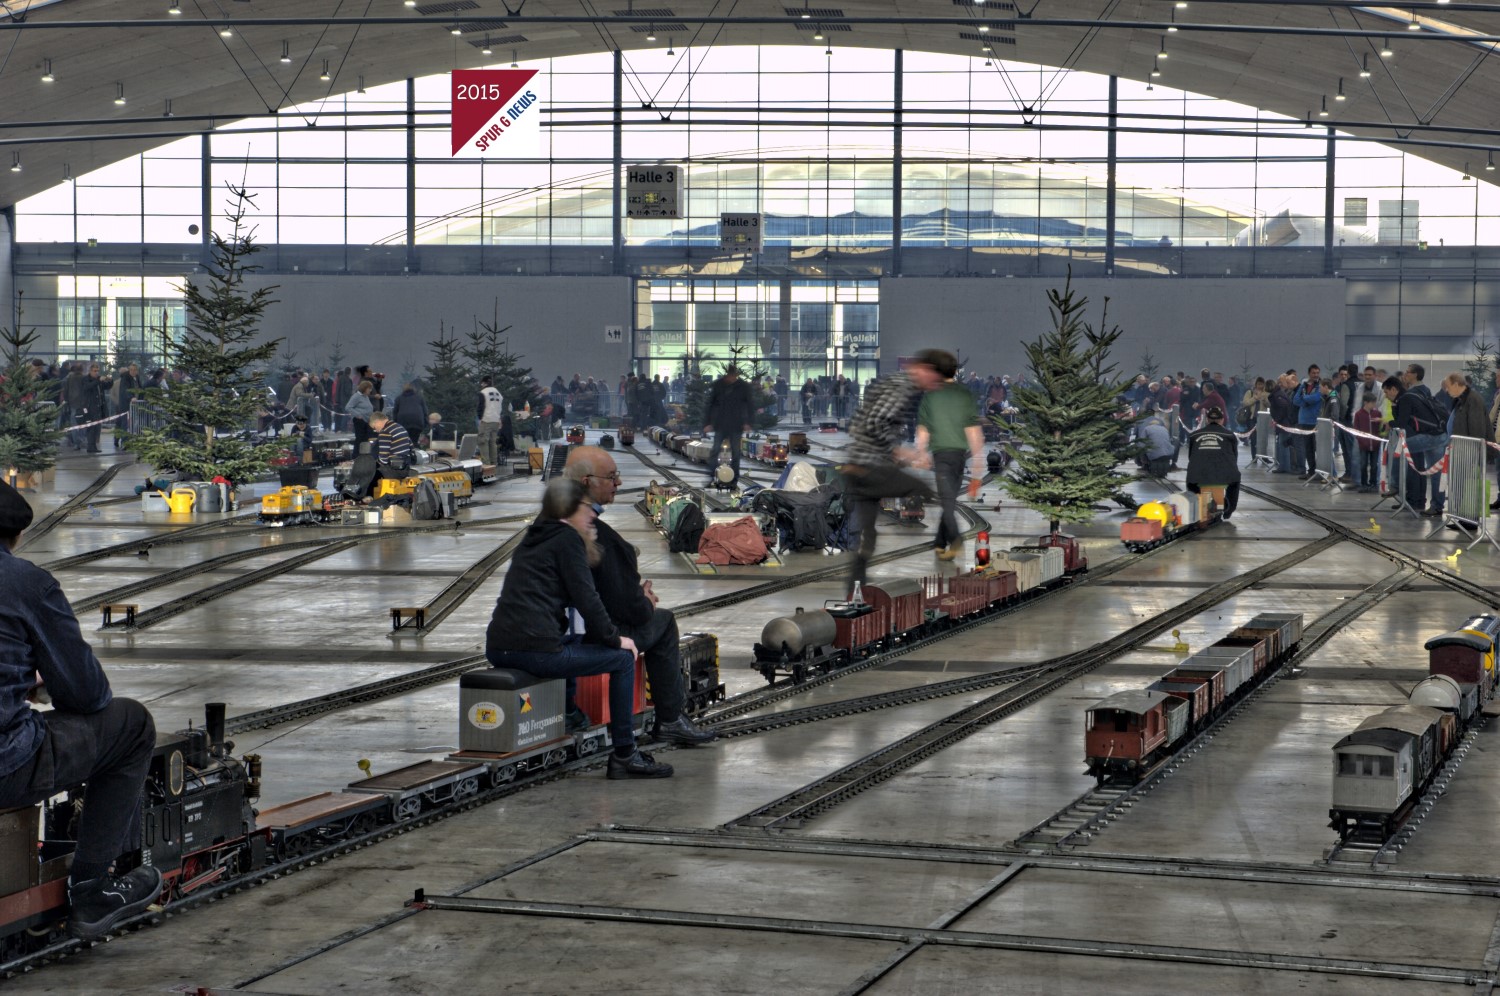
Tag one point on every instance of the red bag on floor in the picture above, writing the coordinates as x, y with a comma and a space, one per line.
737, 542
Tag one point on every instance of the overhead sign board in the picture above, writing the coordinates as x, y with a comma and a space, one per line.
651, 191
740, 232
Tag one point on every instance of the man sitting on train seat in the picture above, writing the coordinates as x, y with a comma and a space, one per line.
87, 737
1213, 453
631, 603
392, 448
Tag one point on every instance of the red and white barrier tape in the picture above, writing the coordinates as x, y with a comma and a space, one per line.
90, 425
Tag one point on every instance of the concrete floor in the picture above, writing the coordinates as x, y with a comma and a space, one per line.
1210, 883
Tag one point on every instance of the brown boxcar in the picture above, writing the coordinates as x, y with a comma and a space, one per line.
1213, 676
1461, 656
1123, 731
856, 626
901, 602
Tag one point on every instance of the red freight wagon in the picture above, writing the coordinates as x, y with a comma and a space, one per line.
856, 625
1213, 676
1123, 730
901, 602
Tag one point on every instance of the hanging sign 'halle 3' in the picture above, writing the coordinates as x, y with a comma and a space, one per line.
496, 112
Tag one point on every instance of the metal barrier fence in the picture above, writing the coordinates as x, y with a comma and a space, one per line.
1393, 471
1468, 487
1265, 439
1324, 455
1174, 424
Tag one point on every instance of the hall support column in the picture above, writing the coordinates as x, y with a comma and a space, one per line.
411, 175
8, 268
896, 171
784, 330
1329, 159
1109, 177
617, 251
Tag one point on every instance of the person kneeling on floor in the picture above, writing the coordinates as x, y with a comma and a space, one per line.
530, 629
88, 737
1213, 460
631, 603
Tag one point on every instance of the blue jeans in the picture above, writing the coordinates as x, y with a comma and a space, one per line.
1426, 450
578, 660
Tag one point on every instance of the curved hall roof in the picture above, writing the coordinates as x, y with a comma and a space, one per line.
1439, 87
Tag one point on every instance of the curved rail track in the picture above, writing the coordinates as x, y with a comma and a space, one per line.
56, 517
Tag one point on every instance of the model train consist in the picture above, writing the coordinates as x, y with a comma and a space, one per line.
199, 826
768, 448
1383, 767
1128, 732
1158, 522
292, 505
889, 613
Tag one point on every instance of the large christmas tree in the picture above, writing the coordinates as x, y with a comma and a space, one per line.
204, 423
1069, 417
28, 413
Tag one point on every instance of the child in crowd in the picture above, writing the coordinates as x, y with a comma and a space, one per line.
1367, 419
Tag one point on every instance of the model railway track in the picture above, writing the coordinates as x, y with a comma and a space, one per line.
1083, 819
443, 604
188, 534
802, 804
1478, 592
709, 498
57, 516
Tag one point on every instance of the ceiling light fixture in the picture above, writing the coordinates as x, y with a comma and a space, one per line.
818, 34
670, 49
361, 88
1490, 165
286, 51
1172, 27
411, 3
1181, 4
829, 50
486, 50
166, 110
1465, 176
1162, 53
1412, 25
988, 49
1340, 94
456, 30
1323, 108
1149, 87
67, 171
651, 33
226, 32
1385, 48
1364, 66
984, 29
806, 13
1155, 69
324, 74
174, 9
120, 94
47, 76
15, 163
513, 63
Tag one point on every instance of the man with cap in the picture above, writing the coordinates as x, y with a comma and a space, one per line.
89, 736
1213, 460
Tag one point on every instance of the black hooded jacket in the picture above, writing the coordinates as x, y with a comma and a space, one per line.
549, 573
618, 580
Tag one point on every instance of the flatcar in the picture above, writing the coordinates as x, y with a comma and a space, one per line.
1127, 733
198, 825
1158, 522
1382, 768
888, 613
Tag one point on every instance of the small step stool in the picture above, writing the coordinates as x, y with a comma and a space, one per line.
409, 617
126, 609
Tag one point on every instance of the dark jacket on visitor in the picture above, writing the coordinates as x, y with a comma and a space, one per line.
409, 409
550, 572
618, 580
1211, 456
1469, 417
730, 407
39, 633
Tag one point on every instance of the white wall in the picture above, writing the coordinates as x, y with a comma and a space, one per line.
1270, 324
388, 321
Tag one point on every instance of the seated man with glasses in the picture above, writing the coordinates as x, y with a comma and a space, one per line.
631, 603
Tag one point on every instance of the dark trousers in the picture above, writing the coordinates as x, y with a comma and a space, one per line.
865, 487
362, 433
578, 660
658, 642
110, 750
733, 438
1307, 450
948, 469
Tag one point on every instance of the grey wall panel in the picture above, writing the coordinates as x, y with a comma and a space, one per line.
388, 321
1185, 324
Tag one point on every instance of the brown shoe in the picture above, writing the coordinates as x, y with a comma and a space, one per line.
952, 552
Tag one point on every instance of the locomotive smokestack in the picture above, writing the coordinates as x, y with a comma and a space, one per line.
213, 721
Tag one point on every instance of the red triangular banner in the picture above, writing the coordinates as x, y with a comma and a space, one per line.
482, 97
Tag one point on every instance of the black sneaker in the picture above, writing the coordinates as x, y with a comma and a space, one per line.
1431, 513
100, 905
637, 765
576, 721
682, 732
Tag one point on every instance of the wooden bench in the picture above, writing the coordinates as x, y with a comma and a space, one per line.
409, 617
126, 609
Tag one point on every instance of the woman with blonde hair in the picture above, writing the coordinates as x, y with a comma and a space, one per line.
531, 629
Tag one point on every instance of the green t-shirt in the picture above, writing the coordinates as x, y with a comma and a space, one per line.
945, 414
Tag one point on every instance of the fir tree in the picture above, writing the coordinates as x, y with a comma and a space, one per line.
489, 355
1149, 366
1066, 435
28, 412
204, 421
1481, 368
449, 388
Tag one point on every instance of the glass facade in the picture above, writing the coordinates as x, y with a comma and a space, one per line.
995, 168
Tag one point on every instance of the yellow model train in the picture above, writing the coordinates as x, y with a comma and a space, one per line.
294, 505
448, 482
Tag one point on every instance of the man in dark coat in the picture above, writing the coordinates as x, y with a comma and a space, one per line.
1213, 460
730, 408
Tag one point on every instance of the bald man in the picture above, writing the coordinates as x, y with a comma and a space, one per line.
631, 603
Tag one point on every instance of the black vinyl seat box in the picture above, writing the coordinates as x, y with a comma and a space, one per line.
500, 678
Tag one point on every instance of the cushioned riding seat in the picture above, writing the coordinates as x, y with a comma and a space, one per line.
500, 678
